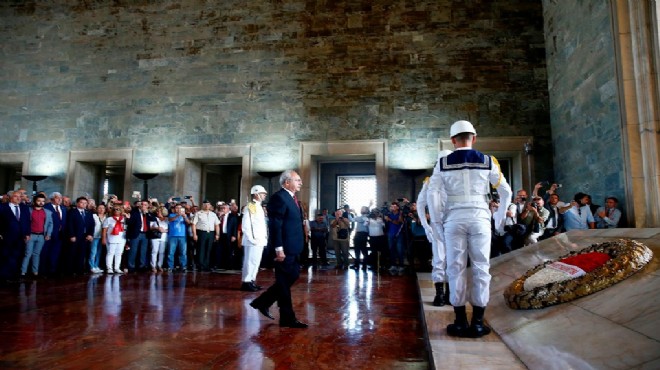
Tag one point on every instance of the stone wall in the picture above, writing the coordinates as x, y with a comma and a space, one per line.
157, 75
584, 99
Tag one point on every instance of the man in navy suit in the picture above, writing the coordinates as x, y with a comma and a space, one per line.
50, 254
80, 230
15, 232
286, 239
227, 243
138, 224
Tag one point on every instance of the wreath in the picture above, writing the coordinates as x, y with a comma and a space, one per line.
577, 274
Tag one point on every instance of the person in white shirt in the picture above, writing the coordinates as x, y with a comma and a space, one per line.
255, 238
158, 245
114, 237
205, 230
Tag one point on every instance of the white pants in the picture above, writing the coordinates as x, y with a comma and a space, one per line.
468, 237
251, 261
439, 261
113, 257
158, 247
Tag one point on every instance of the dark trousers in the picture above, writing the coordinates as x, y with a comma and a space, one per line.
10, 258
360, 244
50, 256
380, 247
139, 247
286, 273
75, 260
319, 250
204, 247
192, 252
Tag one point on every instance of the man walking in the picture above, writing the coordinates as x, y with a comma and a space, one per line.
286, 237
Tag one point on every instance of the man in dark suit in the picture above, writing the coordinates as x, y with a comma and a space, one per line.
227, 244
50, 255
14, 233
136, 233
80, 230
286, 240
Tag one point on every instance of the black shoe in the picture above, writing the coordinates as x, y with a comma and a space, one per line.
440, 296
478, 330
355, 267
262, 310
248, 287
460, 327
294, 324
259, 287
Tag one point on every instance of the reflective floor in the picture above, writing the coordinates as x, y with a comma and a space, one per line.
201, 320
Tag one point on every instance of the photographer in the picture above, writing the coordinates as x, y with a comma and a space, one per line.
534, 217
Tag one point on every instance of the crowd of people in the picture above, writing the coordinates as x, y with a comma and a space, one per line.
544, 215
54, 235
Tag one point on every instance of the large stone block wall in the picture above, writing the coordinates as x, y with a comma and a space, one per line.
157, 75
584, 99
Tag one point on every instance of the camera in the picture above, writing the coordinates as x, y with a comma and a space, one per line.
177, 199
187, 197
523, 199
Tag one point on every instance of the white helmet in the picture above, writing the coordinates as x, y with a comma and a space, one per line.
258, 189
460, 127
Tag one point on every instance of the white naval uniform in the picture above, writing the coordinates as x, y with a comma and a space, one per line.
439, 261
255, 239
459, 192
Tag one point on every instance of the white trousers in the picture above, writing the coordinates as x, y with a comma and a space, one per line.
158, 247
251, 261
113, 257
468, 237
438, 262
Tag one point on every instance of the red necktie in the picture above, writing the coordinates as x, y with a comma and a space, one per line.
295, 199
144, 223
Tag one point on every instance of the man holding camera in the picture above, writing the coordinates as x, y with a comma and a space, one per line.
534, 217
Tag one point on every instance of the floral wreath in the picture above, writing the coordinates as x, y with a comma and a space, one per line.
577, 274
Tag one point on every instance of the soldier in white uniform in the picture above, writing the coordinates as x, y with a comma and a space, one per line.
439, 262
463, 188
255, 238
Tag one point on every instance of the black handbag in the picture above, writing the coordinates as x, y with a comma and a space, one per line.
154, 233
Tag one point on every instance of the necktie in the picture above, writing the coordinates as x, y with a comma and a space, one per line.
18, 215
144, 223
295, 199
82, 214
59, 213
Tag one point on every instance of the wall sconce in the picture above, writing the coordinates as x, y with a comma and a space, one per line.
34, 179
145, 176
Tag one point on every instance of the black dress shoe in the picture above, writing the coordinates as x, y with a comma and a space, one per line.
259, 287
294, 324
262, 310
248, 287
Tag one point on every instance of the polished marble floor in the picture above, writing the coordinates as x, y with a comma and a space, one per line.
357, 319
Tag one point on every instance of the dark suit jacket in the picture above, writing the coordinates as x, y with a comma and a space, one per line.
59, 225
232, 225
134, 224
78, 226
285, 224
12, 229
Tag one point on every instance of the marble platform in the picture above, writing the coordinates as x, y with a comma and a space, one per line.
617, 328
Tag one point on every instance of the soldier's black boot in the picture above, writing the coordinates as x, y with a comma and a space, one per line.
478, 329
460, 326
440, 295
